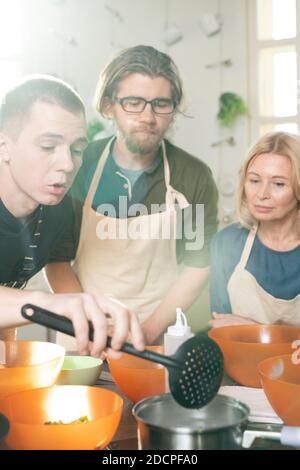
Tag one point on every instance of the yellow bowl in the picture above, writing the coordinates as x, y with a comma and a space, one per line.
80, 370
38, 418
29, 364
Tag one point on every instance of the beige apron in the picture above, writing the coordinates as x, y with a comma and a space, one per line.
248, 299
132, 259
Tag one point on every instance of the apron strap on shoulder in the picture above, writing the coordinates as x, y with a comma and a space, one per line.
248, 246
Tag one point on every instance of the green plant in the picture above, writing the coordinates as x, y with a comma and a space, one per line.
93, 128
231, 106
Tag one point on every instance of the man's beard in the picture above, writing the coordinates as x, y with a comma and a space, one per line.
142, 144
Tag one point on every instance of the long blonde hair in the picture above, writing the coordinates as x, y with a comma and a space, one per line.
281, 143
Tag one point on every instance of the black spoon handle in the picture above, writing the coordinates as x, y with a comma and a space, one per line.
64, 325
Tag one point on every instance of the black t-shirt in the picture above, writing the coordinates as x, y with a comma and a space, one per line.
16, 235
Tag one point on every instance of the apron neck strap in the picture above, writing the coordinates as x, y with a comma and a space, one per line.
97, 174
166, 165
171, 194
248, 246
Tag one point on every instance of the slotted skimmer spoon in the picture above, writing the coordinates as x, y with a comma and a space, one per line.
195, 370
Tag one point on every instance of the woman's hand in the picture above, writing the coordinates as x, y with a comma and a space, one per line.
225, 319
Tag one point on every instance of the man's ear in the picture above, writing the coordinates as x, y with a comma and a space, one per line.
4, 148
107, 108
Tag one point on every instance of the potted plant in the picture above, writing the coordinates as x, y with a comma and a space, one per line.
231, 106
94, 128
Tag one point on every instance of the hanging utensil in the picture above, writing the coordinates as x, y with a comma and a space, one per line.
195, 370
221, 63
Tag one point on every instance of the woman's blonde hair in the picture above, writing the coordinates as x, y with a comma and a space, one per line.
281, 143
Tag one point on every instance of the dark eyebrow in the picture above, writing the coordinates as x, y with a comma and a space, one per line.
141, 98
51, 135
81, 140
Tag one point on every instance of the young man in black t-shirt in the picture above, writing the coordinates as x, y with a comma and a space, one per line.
42, 139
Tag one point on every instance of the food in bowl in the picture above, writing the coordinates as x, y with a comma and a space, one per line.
82, 419
29, 410
245, 346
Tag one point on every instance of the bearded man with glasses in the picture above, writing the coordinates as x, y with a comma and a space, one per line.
137, 197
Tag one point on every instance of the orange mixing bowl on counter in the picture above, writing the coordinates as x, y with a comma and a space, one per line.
245, 346
280, 378
65, 417
138, 378
28, 364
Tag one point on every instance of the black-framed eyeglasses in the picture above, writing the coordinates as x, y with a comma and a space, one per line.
136, 104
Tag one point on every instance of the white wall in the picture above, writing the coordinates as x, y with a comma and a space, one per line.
75, 38
99, 32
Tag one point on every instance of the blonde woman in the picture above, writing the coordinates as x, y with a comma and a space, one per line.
256, 262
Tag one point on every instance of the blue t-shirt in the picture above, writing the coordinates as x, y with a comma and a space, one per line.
277, 272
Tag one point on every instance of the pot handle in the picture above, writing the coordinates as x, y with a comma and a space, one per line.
249, 437
290, 436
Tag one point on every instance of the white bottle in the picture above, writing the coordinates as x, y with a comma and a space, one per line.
175, 336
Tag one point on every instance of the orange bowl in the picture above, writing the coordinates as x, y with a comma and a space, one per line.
138, 378
37, 416
29, 364
280, 379
245, 346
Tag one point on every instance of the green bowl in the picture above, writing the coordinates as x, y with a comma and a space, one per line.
80, 370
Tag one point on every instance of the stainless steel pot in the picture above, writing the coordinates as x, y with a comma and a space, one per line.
163, 424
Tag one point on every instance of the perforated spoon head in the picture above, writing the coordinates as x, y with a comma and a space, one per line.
198, 381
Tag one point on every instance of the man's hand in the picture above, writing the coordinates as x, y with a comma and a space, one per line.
100, 311
225, 319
